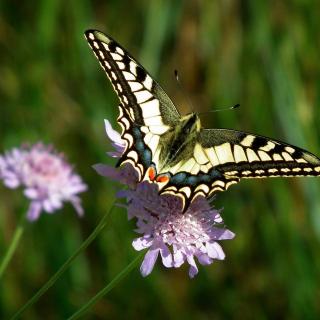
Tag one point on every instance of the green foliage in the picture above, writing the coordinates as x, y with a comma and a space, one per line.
263, 55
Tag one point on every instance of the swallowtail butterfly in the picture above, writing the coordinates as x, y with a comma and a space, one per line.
175, 151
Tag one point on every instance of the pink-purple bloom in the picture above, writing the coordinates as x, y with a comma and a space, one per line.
47, 178
164, 229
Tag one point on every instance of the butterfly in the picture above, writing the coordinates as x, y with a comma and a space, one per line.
175, 151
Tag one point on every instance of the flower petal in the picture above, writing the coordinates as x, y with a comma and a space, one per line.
114, 154
141, 243
105, 171
221, 234
11, 183
31, 193
34, 211
166, 256
204, 259
215, 251
76, 202
178, 258
193, 270
111, 133
148, 262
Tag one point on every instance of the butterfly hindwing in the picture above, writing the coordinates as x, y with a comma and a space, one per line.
247, 155
222, 157
142, 146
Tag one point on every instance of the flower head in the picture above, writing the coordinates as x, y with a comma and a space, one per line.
47, 178
164, 229
178, 237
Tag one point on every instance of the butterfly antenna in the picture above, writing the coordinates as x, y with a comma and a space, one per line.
181, 87
222, 109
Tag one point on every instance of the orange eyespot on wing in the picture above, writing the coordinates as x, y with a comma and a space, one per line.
152, 173
163, 178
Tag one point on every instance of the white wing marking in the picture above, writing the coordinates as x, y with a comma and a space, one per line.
153, 121
133, 155
150, 108
148, 82
277, 157
247, 141
269, 146
188, 165
153, 144
239, 154
224, 153
195, 169
199, 154
286, 156
159, 129
147, 138
264, 156
116, 56
186, 190
128, 76
135, 86
252, 156
143, 96
212, 156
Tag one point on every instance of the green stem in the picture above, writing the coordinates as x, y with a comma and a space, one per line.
65, 266
108, 288
13, 245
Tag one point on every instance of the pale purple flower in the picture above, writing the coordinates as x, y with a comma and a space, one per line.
178, 237
115, 139
165, 230
47, 178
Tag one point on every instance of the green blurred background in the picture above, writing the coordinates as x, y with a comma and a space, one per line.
261, 54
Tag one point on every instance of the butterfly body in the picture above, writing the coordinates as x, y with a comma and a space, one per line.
175, 151
178, 142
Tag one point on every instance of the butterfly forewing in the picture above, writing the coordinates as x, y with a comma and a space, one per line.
146, 111
145, 100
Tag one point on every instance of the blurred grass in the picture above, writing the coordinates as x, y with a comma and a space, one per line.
263, 55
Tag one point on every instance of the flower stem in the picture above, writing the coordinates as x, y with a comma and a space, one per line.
65, 266
108, 287
13, 245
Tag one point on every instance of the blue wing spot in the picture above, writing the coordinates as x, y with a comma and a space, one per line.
192, 180
137, 132
139, 145
205, 178
215, 173
147, 157
179, 178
